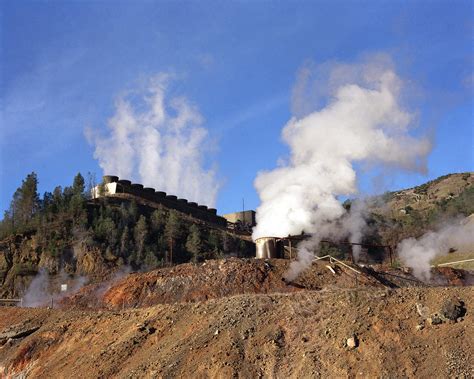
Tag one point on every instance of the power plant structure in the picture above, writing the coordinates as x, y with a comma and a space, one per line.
285, 247
115, 187
238, 222
276, 247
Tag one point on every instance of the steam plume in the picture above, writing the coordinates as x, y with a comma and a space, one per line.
157, 140
418, 253
358, 118
43, 288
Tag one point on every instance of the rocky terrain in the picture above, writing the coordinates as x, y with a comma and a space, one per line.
228, 277
353, 333
238, 318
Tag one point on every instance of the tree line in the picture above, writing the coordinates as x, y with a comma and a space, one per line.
126, 232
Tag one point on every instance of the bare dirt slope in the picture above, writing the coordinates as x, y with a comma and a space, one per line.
238, 318
227, 277
214, 279
299, 334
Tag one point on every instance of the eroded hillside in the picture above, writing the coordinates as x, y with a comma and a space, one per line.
354, 333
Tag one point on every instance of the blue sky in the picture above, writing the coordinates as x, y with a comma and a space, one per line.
64, 63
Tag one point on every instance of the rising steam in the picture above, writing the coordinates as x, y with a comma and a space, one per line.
418, 253
157, 140
43, 289
357, 117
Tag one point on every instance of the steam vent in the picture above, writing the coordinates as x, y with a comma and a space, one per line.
115, 187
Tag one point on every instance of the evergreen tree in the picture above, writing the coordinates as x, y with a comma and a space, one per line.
173, 232
125, 242
106, 231
194, 243
78, 201
150, 260
25, 202
158, 221
78, 185
57, 201
140, 234
214, 242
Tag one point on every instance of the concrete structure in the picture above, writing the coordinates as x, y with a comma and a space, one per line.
114, 187
245, 217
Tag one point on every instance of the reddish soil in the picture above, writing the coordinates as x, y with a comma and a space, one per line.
237, 318
221, 278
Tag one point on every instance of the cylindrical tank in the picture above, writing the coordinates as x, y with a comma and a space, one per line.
172, 197
192, 204
267, 247
125, 182
160, 194
213, 211
149, 190
202, 207
110, 178
183, 201
137, 186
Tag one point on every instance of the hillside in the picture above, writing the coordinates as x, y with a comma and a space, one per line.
232, 316
237, 317
359, 333
397, 215
228, 277
69, 235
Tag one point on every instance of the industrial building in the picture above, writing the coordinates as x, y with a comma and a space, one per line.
115, 187
244, 217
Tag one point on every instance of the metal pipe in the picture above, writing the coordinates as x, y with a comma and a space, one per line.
451, 263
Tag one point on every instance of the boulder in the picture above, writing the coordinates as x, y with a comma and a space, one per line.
352, 342
453, 309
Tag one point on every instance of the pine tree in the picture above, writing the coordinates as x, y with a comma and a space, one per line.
140, 234
58, 200
125, 243
158, 221
78, 201
173, 232
25, 201
78, 185
214, 242
194, 243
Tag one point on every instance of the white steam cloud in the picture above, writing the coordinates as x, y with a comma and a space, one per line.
357, 118
158, 140
44, 288
418, 253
